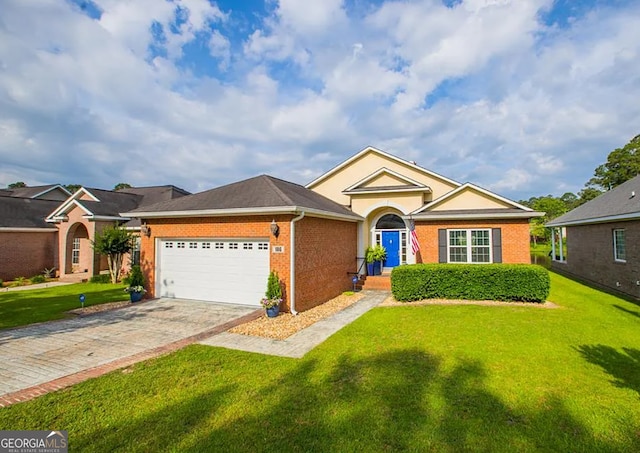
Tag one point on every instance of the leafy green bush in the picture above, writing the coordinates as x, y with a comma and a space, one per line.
505, 282
101, 278
19, 281
38, 279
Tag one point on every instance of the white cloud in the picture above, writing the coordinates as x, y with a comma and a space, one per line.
512, 104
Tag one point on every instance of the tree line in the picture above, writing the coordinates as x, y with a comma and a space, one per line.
622, 164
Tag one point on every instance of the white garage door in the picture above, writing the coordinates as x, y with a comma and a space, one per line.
214, 270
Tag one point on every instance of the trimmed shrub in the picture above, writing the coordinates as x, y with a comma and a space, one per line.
135, 277
102, 278
504, 282
38, 279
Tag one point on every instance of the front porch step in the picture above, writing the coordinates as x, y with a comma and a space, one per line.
378, 282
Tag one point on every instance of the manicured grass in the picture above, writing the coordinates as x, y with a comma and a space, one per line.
18, 308
416, 378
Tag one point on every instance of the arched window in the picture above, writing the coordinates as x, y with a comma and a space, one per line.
390, 222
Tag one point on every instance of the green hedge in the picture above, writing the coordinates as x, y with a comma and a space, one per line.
505, 282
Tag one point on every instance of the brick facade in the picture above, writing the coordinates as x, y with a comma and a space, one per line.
590, 256
25, 254
240, 227
325, 250
515, 238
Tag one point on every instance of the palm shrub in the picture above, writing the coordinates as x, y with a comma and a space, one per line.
114, 242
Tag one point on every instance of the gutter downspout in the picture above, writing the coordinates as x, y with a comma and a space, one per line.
292, 264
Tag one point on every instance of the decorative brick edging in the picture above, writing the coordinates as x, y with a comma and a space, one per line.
75, 378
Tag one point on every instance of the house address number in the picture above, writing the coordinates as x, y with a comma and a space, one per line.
278, 249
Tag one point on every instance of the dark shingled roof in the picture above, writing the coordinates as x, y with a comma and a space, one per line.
18, 212
113, 202
259, 192
615, 202
29, 192
156, 194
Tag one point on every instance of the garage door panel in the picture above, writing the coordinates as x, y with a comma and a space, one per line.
217, 270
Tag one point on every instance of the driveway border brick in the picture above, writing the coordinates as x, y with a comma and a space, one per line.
75, 378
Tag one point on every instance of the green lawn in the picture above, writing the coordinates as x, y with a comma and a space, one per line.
417, 378
18, 308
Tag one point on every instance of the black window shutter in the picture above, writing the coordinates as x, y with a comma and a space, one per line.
442, 245
496, 243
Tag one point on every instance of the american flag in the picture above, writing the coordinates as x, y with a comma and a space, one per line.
415, 245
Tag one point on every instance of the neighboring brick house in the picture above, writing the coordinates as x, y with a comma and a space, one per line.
27, 242
602, 238
88, 211
217, 245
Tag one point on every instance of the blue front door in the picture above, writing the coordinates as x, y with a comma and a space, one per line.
391, 242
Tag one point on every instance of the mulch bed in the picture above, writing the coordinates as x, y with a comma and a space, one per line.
286, 324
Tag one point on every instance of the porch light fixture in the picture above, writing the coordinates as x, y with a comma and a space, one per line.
275, 229
146, 230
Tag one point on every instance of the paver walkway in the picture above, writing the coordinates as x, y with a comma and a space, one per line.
299, 344
35, 286
61, 353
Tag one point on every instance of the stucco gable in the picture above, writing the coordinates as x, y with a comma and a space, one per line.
470, 197
369, 161
386, 180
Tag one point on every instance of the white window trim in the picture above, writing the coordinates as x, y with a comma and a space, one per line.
615, 246
75, 252
469, 246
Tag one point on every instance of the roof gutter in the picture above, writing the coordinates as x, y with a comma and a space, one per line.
243, 212
292, 264
492, 216
596, 220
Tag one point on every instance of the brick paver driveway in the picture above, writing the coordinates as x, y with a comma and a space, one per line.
41, 353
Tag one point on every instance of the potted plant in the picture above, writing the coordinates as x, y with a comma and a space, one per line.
369, 257
379, 255
273, 295
135, 282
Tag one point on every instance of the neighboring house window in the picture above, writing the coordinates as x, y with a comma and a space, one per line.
135, 252
75, 251
469, 246
619, 245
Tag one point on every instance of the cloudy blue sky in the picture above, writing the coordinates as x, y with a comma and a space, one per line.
523, 97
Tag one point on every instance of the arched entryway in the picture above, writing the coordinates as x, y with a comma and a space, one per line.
390, 231
78, 250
